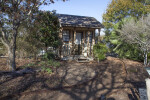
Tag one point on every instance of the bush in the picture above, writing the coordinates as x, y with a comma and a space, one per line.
48, 70
129, 51
49, 56
100, 51
53, 63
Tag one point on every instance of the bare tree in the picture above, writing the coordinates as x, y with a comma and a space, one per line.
12, 14
138, 32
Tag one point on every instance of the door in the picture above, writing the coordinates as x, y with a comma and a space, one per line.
78, 48
78, 38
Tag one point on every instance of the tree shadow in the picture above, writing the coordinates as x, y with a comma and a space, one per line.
109, 80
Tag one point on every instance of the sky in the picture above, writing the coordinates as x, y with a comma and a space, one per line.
91, 8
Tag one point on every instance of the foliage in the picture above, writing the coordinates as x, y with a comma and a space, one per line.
49, 65
43, 32
119, 9
49, 56
53, 63
13, 13
100, 51
129, 51
117, 13
121, 47
137, 32
48, 70
48, 25
27, 46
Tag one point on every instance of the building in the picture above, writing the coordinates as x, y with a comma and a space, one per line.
78, 36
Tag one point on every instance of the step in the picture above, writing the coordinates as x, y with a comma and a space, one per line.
83, 60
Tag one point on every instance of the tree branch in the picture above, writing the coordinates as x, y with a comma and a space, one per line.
36, 7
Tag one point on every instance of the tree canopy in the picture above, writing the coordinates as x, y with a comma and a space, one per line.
48, 32
119, 9
138, 32
117, 13
12, 14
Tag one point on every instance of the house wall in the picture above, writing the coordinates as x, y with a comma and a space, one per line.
68, 48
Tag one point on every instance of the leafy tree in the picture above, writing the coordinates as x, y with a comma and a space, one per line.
12, 15
48, 32
138, 32
117, 13
121, 47
119, 9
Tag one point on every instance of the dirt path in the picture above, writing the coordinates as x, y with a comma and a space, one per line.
76, 73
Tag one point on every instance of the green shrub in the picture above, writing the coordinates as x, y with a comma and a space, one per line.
53, 63
49, 56
129, 51
100, 51
48, 70
28, 65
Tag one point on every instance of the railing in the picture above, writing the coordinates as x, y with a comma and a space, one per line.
69, 49
66, 50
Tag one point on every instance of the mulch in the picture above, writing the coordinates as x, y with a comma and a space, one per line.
115, 77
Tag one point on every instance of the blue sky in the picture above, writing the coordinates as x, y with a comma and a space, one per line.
93, 8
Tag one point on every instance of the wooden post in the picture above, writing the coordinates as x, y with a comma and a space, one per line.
83, 41
93, 42
70, 42
74, 41
74, 36
148, 87
88, 43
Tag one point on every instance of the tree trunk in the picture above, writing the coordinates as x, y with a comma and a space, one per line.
11, 58
11, 47
12, 51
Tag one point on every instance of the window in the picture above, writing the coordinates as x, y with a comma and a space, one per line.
66, 36
90, 37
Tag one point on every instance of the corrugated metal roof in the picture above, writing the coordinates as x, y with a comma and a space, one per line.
78, 21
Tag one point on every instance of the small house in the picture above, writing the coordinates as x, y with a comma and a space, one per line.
78, 37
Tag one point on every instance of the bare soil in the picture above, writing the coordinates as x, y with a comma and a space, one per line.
116, 79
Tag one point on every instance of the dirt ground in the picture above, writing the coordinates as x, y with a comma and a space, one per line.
115, 80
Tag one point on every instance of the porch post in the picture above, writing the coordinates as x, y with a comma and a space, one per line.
83, 41
74, 36
70, 41
74, 41
88, 43
83, 37
93, 40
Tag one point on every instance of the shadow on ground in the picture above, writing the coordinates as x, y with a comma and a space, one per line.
111, 82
